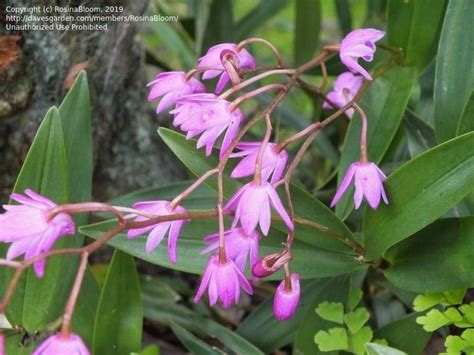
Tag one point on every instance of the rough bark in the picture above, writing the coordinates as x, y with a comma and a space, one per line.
128, 153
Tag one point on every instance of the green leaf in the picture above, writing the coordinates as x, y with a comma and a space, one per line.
379, 349
76, 124
354, 297
307, 26
331, 311
149, 350
463, 344
358, 340
232, 340
214, 23
202, 198
344, 17
38, 302
434, 319
168, 313
176, 42
426, 301
468, 312
268, 334
118, 325
423, 185
414, 27
420, 136
355, 320
305, 205
191, 342
75, 115
454, 68
384, 103
454, 344
454, 297
444, 251
468, 335
256, 17
405, 334
13, 345
333, 339
466, 123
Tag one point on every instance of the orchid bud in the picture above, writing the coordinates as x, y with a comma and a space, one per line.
270, 264
286, 299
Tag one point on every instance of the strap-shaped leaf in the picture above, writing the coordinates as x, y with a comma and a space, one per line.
454, 68
435, 259
118, 324
39, 301
414, 27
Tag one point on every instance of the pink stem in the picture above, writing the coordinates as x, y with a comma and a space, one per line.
193, 187
85, 207
287, 277
236, 103
71, 303
265, 42
254, 79
194, 71
363, 134
258, 162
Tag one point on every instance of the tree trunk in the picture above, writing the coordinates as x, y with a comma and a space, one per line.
128, 153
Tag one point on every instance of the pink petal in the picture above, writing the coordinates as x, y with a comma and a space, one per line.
167, 100
156, 236
21, 222
353, 66
359, 193
232, 131
39, 198
344, 184
20, 247
244, 282
213, 289
223, 80
173, 239
205, 281
278, 206
246, 167
265, 216
279, 167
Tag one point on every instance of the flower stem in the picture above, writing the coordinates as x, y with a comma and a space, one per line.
258, 162
220, 216
287, 277
265, 42
69, 311
193, 187
363, 134
236, 103
254, 79
85, 207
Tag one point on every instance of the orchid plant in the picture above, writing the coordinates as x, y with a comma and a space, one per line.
262, 198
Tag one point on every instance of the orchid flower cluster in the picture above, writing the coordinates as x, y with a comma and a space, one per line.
36, 223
